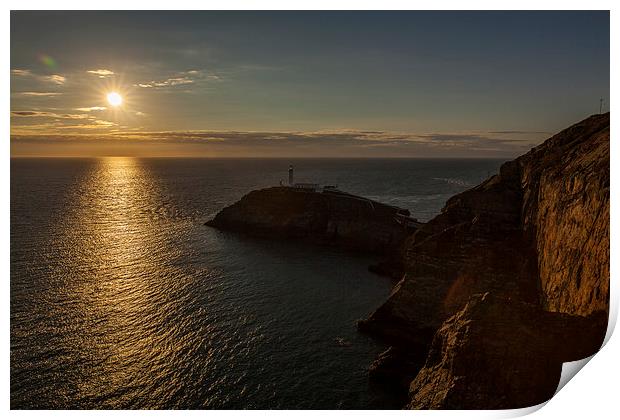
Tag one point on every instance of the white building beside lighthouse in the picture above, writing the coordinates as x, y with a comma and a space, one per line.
304, 186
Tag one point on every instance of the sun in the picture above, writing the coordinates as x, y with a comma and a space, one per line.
114, 99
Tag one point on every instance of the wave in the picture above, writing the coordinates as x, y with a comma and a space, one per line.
455, 181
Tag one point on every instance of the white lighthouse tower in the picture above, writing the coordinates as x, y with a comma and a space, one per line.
290, 175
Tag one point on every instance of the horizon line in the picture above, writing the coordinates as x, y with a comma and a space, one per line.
261, 157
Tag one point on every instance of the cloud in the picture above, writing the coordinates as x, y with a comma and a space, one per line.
91, 108
200, 74
38, 93
54, 78
104, 123
101, 73
335, 143
507, 140
173, 81
62, 130
183, 78
447, 137
519, 132
44, 114
27, 113
21, 72
100, 125
348, 138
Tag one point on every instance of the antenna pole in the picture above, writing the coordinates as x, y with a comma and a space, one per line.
600, 107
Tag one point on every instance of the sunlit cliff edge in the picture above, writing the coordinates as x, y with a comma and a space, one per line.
509, 281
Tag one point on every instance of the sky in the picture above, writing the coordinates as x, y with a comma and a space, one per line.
302, 84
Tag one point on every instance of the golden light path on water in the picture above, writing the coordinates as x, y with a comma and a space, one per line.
128, 339
122, 299
105, 192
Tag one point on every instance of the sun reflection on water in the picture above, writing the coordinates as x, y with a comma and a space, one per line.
122, 300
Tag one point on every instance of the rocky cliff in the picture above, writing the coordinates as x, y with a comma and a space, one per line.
507, 283
329, 216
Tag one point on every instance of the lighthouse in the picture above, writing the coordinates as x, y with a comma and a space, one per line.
290, 175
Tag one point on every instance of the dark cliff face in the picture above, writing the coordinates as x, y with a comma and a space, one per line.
334, 218
534, 241
498, 353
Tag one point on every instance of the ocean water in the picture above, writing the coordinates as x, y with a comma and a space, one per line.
122, 298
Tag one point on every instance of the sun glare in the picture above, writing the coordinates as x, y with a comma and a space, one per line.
114, 99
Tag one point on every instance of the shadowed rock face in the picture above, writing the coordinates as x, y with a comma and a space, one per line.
500, 353
335, 218
534, 242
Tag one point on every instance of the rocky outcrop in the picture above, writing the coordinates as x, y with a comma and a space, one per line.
498, 353
332, 217
510, 280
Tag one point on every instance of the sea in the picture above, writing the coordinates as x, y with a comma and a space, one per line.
121, 297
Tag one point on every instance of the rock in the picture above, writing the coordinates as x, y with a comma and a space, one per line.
566, 215
534, 237
331, 217
470, 248
397, 367
501, 353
